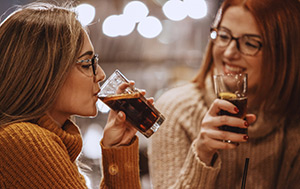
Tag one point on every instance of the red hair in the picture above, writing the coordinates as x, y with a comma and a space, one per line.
279, 24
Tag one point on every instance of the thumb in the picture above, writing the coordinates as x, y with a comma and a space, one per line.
120, 118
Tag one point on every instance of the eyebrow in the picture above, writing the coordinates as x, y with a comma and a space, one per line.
86, 53
252, 35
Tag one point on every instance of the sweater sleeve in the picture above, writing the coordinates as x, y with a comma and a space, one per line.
120, 166
32, 157
289, 176
172, 156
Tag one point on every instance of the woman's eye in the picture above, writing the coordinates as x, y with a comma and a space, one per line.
86, 66
252, 44
224, 37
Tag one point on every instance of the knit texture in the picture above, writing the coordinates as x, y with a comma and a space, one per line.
120, 166
273, 148
43, 155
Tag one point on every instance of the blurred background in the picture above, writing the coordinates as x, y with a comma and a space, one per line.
157, 43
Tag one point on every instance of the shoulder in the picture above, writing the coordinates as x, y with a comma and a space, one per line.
185, 95
16, 129
292, 135
21, 129
184, 105
23, 135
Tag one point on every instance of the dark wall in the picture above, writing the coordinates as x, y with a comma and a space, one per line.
6, 6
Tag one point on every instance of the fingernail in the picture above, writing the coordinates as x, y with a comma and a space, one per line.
246, 124
237, 144
120, 115
246, 137
236, 109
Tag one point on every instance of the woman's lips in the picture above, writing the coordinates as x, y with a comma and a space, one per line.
96, 94
232, 69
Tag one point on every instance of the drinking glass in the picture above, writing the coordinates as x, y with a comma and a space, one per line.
233, 88
141, 114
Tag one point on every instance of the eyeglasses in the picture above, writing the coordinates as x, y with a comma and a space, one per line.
247, 44
91, 68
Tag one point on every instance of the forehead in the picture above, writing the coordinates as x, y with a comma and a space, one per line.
87, 44
239, 21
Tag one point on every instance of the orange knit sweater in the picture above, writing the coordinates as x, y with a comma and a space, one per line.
43, 155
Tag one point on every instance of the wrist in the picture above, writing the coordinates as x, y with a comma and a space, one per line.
206, 156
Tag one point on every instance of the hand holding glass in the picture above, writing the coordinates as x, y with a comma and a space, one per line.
141, 114
233, 88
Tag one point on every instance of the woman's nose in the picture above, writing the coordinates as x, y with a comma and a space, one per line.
100, 76
232, 50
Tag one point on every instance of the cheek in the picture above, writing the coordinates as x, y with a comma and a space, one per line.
68, 98
253, 78
254, 71
217, 58
77, 100
76, 95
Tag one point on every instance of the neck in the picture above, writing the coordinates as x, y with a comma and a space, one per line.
58, 118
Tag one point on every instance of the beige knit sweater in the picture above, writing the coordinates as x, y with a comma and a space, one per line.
273, 148
43, 155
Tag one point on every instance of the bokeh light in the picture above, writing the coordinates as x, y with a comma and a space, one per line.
177, 10
136, 10
86, 13
110, 26
174, 10
196, 9
150, 27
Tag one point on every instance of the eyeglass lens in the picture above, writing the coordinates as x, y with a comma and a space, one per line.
246, 44
94, 64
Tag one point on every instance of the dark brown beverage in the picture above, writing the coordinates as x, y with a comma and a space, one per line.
137, 111
241, 104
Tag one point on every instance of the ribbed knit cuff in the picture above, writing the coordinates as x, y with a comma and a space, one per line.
121, 166
205, 176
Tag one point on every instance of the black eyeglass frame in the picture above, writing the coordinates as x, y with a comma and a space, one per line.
236, 40
94, 62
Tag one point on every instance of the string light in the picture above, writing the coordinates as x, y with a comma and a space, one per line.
196, 9
86, 13
136, 10
136, 13
150, 27
174, 10
177, 10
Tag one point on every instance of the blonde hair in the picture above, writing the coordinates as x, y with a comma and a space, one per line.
279, 23
39, 44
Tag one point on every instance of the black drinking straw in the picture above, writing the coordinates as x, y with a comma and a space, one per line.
245, 173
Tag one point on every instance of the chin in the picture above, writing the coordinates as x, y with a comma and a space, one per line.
94, 112
90, 113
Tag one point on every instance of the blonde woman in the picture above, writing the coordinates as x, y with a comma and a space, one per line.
48, 72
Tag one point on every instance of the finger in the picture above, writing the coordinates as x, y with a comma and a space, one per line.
219, 144
128, 135
120, 118
131, 82
228, 136
218, 121
131, 131
122, 87
142, 91
130, 127
219, 105
220, 135
150, 100
111, 115
250, 118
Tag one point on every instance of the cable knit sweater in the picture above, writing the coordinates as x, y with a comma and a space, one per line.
43, 155
273, 148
